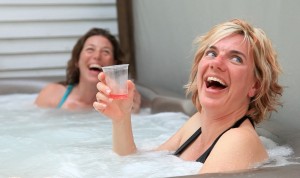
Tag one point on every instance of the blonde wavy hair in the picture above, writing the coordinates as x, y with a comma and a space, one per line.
266, 66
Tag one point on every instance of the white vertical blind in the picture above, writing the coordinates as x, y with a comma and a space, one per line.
37, 36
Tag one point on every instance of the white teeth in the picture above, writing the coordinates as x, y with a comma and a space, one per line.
95, 66
209, 79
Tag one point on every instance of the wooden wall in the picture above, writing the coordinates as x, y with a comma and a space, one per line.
37, 36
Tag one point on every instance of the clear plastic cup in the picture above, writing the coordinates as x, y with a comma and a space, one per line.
116, 77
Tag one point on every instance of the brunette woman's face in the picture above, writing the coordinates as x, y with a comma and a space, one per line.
96, 53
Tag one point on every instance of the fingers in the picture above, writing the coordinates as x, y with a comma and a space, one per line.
104, 102
136, 102
104, 91
101, 76
102, 96
131, 86
99, 106
102, 88
136, 98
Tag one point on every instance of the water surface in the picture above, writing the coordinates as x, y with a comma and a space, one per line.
39, 143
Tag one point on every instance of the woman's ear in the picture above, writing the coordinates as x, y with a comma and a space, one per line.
253, 89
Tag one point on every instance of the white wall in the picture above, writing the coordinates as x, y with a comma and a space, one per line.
165, 30
37, 36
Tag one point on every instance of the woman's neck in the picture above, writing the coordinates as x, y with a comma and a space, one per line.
86, 92
213, 124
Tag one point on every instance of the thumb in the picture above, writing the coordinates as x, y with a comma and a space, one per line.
131, 87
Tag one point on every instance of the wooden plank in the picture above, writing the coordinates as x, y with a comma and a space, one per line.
37, 36
33, 61
49, 2
38, 73
52, 29
45, 13
29, 45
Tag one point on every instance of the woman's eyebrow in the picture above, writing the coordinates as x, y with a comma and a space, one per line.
212, 47
107, 48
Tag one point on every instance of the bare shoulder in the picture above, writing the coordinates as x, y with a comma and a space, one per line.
243, 139
193, 124
238, 149
50, 95
189, 127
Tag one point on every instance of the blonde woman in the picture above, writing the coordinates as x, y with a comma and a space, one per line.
234, 85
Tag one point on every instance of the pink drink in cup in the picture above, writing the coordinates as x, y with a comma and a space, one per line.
116, 77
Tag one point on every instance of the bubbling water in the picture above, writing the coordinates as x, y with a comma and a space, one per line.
55, 143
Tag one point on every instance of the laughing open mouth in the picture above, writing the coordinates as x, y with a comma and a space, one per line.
215, 83
95, 67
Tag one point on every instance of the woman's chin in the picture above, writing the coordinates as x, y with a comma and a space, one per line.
211, 103
92, 80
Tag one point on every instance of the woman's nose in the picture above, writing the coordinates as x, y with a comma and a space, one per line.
218, 64
97, 55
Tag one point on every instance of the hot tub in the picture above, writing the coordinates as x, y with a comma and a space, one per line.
54, 143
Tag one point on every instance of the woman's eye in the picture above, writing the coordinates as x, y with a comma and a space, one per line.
106, 52
211, 54
237, 59
89, 49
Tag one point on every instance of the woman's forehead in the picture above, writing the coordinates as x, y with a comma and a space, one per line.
235, 41
98, 39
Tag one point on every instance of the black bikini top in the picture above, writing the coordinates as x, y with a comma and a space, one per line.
204, 156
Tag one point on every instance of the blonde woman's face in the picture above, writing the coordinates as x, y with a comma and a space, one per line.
225, 78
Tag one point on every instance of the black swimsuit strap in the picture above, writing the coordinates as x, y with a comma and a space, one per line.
203, 157
188, 142
241, 120
237, 124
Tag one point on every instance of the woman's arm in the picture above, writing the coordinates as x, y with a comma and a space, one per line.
119, 111
123, 141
